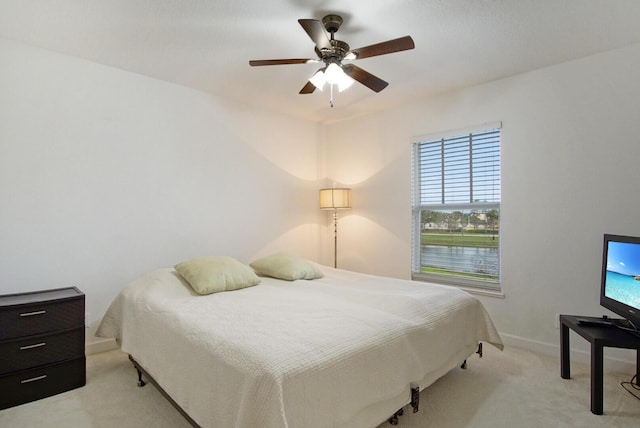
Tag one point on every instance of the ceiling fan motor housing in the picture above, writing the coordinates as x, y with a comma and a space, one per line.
338, 48
337, 52
332, 23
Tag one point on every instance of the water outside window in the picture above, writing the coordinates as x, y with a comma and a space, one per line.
460, 243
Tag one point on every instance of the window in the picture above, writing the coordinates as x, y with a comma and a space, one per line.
456, 208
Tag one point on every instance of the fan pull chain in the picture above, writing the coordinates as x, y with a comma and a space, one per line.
331, 96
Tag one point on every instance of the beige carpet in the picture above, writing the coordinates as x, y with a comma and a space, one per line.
514, 388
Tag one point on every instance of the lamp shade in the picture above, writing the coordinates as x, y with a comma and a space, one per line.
335, 198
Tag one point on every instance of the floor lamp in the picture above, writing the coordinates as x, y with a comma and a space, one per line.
335, 199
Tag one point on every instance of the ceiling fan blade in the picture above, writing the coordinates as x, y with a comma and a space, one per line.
315, 30
258, 62
367, 79
396, 45
308, 88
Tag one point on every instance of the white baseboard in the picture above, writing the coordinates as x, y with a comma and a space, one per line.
611, 363
95, 345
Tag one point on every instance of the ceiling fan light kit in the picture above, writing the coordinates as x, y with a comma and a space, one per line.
332, 52
333, 75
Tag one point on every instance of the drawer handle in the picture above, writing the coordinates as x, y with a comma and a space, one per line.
33, 379
37, 345
30, 314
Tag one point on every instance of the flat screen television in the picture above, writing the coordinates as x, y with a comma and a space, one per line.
620, 284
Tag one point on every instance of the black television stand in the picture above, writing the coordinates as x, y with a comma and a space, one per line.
599, 335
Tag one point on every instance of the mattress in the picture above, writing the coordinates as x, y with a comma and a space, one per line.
341, 351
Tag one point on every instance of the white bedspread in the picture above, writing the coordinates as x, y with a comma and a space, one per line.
340, 351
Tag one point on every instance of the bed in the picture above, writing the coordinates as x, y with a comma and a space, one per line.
344, 350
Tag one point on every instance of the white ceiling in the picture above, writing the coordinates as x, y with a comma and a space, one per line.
206, 44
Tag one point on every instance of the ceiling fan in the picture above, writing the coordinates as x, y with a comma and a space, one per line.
332, 52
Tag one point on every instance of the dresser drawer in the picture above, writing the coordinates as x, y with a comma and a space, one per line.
41, 349
28, 385
43, 317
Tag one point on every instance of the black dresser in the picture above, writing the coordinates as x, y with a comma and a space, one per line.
41, 344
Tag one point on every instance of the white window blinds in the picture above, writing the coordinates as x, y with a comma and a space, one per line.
460, 169
456, 208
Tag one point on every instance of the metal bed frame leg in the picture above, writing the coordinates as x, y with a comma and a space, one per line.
415, 398
479, 352
141, 371
141, 383
393, 420
415, 403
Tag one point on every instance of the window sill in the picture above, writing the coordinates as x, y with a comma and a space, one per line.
467, 286
481, 292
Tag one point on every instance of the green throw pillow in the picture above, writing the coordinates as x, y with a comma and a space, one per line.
286, 266
208, 275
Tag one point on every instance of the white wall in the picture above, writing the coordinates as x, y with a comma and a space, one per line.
570, 153
105, 175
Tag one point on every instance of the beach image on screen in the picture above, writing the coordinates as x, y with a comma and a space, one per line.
623, 273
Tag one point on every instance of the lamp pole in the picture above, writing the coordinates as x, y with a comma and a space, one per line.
335, 237
335, 198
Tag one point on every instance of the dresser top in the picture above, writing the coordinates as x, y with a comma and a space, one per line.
39, 296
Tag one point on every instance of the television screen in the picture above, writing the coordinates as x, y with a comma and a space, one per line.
621, 277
